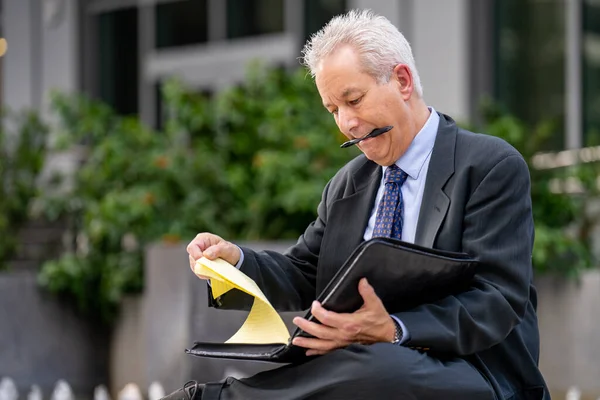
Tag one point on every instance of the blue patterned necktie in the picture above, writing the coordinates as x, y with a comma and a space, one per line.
390, 213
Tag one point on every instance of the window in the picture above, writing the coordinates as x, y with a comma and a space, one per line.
253, 17
530, 58
118, 59
181, 23
159, 108
319, 12
591, 72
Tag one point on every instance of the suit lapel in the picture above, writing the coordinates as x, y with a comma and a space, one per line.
441, 167
350, 214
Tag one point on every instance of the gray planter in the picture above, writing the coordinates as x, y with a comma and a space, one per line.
43, 340
568, 315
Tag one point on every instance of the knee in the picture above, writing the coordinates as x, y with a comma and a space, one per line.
382, 362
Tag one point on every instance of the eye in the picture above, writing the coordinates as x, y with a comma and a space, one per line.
355, 101
334, 112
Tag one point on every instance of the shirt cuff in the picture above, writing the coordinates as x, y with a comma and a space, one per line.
405, 334
239, 264
241, 260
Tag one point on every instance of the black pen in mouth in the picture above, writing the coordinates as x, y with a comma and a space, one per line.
374, 133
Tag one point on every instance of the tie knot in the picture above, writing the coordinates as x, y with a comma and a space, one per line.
393, 174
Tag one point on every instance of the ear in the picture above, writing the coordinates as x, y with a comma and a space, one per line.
404, 80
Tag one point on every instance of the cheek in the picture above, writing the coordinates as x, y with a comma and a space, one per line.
398, 137
393, 105
383, 112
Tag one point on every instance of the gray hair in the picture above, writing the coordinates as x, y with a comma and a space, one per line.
379, 43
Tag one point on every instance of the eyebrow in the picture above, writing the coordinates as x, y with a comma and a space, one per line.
347, 92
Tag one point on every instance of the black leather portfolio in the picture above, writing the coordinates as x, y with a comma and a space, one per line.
403, 275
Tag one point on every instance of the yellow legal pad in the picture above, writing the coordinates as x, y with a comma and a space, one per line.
263, 325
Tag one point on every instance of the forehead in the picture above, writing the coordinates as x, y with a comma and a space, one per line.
344, 61
340, 74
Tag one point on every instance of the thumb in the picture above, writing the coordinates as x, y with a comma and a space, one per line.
214, 251
225, 250
367, 292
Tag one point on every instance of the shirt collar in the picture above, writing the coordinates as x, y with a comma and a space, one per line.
413, 160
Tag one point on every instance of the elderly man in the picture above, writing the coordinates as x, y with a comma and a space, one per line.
452, 190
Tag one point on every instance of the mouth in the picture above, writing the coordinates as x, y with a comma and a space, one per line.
374, 133
365, 136
366, 143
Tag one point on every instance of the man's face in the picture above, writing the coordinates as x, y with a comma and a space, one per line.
359, 104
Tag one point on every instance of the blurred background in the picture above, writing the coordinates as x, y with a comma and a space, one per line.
130, 125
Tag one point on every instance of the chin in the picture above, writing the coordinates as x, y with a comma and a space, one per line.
374, 152
375, 157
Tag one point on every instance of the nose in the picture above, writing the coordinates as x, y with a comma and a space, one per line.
347, 121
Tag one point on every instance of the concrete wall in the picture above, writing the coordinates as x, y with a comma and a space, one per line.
18, 84
42, 51
42, 56
440, 45
174, 313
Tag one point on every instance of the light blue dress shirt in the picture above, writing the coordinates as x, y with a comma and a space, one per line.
415, 162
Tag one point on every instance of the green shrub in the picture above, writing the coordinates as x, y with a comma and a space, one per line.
22, 155
249, 163
562, 221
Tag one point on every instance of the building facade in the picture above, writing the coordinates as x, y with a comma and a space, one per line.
539, 59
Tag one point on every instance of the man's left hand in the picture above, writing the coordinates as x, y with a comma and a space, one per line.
369, 324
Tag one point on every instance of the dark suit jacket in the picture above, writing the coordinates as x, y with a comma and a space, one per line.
476, 200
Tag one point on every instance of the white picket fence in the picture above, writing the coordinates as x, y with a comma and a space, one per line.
62, 391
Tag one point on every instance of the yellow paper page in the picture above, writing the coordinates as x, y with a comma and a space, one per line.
263, 324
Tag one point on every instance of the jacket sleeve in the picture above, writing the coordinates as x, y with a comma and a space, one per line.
498, 229
288, 280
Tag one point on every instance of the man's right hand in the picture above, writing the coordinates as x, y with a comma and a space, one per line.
212, 246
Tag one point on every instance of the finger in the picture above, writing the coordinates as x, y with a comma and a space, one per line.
225, 250
313, 352
329, 318
368, 293
316, 344
194, 251
207, 241
216, 251
201, 242
194, 248
317, 330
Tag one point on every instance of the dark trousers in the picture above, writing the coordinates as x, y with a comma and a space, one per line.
379, 371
